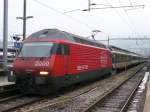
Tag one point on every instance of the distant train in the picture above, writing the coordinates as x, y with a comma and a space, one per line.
10, 58
50, 59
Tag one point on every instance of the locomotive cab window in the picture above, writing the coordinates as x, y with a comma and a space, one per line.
36, 49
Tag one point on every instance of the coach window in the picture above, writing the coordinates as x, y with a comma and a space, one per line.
114, 58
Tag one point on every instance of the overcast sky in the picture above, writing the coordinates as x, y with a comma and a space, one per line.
50, 14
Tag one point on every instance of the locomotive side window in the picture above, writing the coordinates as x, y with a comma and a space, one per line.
66, 49
63, 49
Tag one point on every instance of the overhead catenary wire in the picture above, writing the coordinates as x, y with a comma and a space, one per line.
129, 19
122, 18
130, 2
81, 22
64, 14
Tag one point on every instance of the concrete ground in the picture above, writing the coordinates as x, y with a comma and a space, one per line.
4, 81
147, 102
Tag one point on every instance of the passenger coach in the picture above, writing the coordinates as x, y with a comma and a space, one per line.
123, 59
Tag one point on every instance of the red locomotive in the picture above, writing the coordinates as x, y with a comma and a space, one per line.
50, 59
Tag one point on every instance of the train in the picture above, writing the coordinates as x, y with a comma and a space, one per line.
123, 59
51, 59
10, 58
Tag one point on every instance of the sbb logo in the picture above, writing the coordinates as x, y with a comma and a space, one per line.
42, 63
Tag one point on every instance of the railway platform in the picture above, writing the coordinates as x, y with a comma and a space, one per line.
147, 101
4, 83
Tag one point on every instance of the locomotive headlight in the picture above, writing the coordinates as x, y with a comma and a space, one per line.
44, 73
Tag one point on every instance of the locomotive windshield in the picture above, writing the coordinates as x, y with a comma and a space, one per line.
36, 49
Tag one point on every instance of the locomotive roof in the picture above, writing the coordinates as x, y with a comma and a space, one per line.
50, 33
58, 34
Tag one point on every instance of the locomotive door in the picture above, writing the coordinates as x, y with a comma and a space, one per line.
65, 53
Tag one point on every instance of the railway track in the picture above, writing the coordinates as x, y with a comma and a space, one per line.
14, 102
29, 103
88, 100
119, 99
9, 93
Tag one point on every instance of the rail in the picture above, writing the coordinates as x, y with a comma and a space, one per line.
18, 101
119, 99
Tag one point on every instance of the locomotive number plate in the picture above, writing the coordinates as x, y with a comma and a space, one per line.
42, 63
